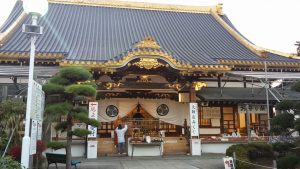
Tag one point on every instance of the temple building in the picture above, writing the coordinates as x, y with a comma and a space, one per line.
149, 62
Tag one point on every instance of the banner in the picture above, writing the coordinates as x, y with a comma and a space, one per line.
93, 114
39, 129
194, 119
33, 136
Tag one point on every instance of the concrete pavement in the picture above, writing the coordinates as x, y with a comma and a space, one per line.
206, 161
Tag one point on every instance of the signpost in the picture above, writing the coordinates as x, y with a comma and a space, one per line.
37, 112
195, 143
228, 163
92, 144
194, 119
34, 128
93, 114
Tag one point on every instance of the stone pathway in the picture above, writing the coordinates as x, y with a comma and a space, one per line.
206, 161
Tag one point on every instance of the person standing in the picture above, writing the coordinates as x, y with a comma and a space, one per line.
121, 138
235, 133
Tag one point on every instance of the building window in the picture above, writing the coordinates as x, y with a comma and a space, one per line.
210, 116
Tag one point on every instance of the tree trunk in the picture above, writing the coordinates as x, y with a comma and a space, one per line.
69, 141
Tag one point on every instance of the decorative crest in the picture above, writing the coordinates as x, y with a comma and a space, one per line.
148, 63
148, 42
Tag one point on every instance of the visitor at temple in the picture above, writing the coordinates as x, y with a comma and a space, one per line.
253, 133
121, 138
235, 133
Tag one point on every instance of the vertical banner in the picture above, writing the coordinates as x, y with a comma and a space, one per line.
33, 137
194, 119
93, 114
39, 129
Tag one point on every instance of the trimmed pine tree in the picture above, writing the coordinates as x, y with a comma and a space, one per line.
64, 91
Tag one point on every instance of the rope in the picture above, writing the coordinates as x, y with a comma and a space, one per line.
254, 164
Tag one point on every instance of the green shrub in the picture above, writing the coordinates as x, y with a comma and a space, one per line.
248, 152
9, 163
260, 150
288, 162
282, 147
242, 153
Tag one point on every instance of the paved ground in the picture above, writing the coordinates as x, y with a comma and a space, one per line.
206, 161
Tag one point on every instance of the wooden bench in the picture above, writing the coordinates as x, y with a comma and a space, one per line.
59, 158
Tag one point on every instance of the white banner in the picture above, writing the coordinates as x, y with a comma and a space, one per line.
257, 109
39, 129
33, 137
93, 114
37, 103
194, 119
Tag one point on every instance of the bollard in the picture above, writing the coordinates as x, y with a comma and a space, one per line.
234, 158
274, 164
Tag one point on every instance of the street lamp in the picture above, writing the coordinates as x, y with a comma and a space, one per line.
35, 8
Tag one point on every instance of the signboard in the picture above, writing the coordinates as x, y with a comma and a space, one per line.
211, 112
33, 136
93, 114
39, 129
228, 163
194, 119
257, 109
38, 100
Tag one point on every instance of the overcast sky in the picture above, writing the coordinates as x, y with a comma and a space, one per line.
272, 24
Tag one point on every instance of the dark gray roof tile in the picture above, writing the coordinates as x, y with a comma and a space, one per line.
101, 33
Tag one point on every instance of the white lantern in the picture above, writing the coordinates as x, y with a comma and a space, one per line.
36, 7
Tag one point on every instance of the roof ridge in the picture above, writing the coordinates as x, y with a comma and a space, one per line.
12, 28
144, 5
285, 54
255, 49
261, 51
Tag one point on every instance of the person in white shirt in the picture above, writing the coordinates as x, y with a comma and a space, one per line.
121, 138
235, 133
253, 133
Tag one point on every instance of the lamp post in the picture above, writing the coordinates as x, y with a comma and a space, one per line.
35, 8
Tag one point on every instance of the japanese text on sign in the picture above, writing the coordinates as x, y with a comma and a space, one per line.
258, 109
33, 137
228, 163
194, 119
93, 114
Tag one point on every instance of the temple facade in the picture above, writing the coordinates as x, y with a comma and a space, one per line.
149, 62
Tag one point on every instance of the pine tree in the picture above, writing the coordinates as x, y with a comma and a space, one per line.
63, 93
286, 123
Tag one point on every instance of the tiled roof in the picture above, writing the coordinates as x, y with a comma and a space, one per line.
244, 94
98, 33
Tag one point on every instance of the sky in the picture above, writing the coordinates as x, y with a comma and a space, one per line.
272, 24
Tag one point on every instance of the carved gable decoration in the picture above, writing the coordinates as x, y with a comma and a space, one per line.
148, 42
148, 63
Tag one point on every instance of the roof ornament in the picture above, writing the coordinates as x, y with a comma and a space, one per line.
219, 9
298, 48
148, 42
